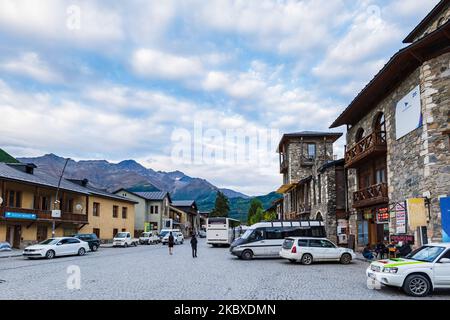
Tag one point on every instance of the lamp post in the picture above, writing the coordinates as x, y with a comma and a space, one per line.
56, 212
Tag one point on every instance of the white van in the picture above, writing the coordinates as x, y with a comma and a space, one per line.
265, 239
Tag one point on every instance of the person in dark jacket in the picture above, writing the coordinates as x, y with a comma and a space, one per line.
404, 249
194, 245
171, 243
367, 252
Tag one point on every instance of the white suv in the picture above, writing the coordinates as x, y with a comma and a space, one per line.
309, 250
423, 270
178, 237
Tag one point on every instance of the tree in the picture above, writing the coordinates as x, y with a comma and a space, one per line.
222, 206
255, 204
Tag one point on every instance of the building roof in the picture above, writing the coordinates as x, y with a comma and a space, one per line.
426, 21
309, 134
401, 65
328, 164
99, 192
154, 195
40, 178
6, 157
183, 203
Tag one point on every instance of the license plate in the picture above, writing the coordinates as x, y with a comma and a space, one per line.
372, 275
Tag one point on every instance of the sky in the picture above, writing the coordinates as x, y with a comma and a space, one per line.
204, 87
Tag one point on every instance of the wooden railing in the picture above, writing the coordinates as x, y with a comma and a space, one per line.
47, 215
374, 143
372, 195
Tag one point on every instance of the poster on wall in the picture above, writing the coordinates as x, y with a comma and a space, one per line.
400, 218
445, 218
417, 215
408, 115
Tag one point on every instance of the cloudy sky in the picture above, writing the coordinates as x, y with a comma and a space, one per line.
157, 80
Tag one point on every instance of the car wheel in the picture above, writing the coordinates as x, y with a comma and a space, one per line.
50, 254
346, 258
94, 248
307, 259
417, 285
247, 255
126, 245
81, 252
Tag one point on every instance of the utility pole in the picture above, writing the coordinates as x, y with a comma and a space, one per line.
56, 198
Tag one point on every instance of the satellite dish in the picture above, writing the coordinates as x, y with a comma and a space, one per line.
79, 207
1, 201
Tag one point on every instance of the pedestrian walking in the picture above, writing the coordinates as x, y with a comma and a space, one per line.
194, 245
171, 243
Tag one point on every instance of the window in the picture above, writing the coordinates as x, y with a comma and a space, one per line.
379, 123
115, 231
115, 211
363, 232
96, 231
302, 243
315, 243
311, 150
96, 209
151, 209
274, 233
124, 212
380, 175
156, 209
69, 205
72, 241
14, 199
319, 216
359, 134
319, 188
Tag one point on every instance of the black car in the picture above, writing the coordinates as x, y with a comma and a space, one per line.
90, 238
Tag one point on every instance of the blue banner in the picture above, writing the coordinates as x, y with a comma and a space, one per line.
19, 215
445, 218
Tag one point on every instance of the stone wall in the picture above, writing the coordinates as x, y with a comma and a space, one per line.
440, 19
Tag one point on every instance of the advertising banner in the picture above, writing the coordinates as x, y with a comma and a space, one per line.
417, 215
445, 218
400, 218
408, 115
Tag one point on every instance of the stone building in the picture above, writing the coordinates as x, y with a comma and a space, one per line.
313, 182
397, 152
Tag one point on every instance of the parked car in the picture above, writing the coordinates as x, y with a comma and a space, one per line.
309, 250
151, 237
55, 247
178, 236
164, 232
90, 238
423, 270
124, 239
201, 233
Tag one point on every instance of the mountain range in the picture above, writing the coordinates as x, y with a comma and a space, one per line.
130, 174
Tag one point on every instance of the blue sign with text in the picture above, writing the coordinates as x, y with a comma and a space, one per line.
19, 215
445, 218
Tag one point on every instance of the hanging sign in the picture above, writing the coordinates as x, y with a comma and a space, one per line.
400, 218
382, 215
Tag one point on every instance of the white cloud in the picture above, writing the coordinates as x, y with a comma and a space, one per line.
157, 64
31, 65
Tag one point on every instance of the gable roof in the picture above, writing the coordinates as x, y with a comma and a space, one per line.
183, 203
425, 21
401, 65
154, 195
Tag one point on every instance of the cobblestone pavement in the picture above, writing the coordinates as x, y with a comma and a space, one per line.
148, 272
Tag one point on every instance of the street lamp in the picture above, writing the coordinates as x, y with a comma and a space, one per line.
56, 213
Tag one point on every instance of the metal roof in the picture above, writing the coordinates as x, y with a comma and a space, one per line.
39, 178
154, 195
309, 134
183, 203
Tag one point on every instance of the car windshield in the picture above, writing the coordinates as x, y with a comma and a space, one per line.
163, 233
247, 233
426, 253
121, 235
145, 234
49, 241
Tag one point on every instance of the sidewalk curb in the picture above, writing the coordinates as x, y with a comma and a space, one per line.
12, 255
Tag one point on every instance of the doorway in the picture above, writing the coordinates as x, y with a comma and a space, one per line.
13, 235
41, 233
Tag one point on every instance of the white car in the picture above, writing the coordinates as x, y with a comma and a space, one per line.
124, 239
151, 237
55, 247
309, 250
423, 270
201, 233
178, 237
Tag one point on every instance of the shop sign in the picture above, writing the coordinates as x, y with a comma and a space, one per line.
368, 214
400, 218
408, 116
56, 213
417, 216
20, 215
405, 238
383, 215
445, 217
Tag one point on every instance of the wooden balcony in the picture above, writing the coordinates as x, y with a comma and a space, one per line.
44, 215
284, 166
370, 196
372, 145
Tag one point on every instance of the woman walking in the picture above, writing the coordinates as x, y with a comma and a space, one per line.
194, 245
171, 243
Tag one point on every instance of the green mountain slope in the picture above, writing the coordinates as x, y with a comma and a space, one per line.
6, 158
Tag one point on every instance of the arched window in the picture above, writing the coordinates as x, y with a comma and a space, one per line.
359, 134
319, 216
379, 123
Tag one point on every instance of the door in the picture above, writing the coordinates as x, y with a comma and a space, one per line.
318, 249
257, 243
62, 247
41, 233
442, 271
330, 251
73, 245
274, 240
13, 235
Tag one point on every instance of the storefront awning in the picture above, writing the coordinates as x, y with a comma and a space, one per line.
285, 188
